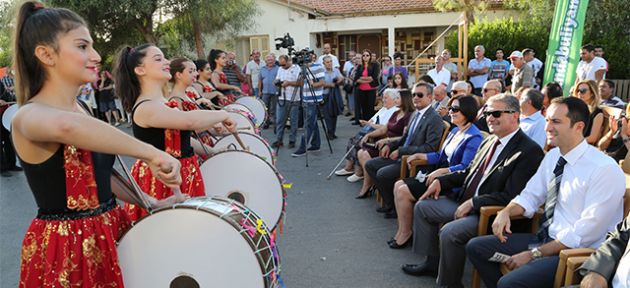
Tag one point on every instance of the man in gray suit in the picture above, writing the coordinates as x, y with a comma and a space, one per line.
504, 163
422, 135
611, 262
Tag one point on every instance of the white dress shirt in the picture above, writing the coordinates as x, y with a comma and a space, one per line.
590, 199
504, 141
534, 126
441, 77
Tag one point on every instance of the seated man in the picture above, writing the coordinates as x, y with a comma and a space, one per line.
582, 190
532, 120
611, 262
422, 135
503, 164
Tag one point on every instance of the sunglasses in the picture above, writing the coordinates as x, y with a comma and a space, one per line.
497, 113
419, 94
488, 89
366, 55
583, 90
454, 109
458, 91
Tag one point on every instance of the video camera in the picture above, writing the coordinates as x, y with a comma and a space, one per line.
299, 57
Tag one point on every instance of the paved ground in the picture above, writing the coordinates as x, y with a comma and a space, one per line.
330, 239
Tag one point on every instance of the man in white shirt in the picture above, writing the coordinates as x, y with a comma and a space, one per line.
590, 67
253, 70
535, 63
532, 121
288, 100
327, 52
347, 66
450, 66
582, 190
439, 74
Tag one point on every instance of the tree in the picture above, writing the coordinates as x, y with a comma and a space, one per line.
467, 6
6, 26
197, 17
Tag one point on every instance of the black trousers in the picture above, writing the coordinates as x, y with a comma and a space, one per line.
365, 101
7, 157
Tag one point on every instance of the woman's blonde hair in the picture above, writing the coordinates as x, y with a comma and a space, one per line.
592, 86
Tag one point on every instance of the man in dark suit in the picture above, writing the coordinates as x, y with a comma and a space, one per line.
611, 261
422, 135
502, 166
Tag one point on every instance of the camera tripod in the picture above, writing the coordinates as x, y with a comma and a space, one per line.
305, 75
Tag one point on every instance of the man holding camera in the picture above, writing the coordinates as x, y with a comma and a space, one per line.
312, 93
267, 88
288, 100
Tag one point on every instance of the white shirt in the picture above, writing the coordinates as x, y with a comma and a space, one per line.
536, 65
590, 199
622, 276
253, 69
320, 60
504, 141
534, 126
347, 66
290, 74
586, 71
383, 115
442, 77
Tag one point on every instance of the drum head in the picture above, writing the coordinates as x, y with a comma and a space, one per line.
187, 246
256, 144
256, 106
241, 175
242, 122
7, 116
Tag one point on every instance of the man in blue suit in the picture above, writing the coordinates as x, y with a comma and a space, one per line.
502, 166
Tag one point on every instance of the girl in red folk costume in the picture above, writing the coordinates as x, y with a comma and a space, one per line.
217, 59
203, 86
183, 74
67, 161
140, 74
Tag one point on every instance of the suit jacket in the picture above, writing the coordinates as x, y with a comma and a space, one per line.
426, 137
607, 257
507, 177
464, 152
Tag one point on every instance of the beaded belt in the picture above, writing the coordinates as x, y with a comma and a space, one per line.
74, 215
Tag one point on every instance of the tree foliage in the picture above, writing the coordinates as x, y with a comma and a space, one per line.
607, 24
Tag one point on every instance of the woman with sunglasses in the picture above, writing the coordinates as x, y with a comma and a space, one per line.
588, 92
366, 80
458, 151
384, 134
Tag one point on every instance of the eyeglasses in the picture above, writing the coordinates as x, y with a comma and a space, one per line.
485, 90
418, 94
454, 109
497, 113
583, 90
459, 91
366, 55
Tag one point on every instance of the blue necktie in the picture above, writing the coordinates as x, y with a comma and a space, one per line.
412, 129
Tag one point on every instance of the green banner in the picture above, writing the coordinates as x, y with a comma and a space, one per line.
565, 40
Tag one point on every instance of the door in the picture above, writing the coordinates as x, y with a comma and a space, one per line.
371, 42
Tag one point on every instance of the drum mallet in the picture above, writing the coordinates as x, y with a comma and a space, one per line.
341, 161
240, 142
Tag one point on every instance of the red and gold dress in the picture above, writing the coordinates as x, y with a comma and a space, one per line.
229, 94
203, 136
177, 144
72, 241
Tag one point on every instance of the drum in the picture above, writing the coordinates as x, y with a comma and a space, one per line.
243, 123
202, 242
248, 179
255, 143
8, 115
257, 107
241, 108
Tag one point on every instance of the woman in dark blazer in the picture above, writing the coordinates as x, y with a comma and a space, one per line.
458, 151
366, 81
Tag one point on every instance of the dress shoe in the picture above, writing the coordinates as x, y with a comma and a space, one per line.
391, 215
384, 209
419, 270
395, 245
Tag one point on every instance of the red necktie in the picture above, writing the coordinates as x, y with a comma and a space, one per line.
474, 183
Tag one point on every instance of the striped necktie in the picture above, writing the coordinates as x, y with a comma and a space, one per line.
550, 203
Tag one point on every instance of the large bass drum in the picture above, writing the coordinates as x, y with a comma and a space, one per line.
257, 107
202, 242
255, 143
248, 179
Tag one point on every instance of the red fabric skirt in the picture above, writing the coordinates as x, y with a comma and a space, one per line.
192, 184
74, 253
230, 99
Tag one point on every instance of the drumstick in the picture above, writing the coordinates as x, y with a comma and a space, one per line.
340, 161
240, 142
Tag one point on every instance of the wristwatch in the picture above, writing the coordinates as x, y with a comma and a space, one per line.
536, 253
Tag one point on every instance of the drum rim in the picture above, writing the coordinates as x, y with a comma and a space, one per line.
284, 191
10, 106
250, 241
259, 138
253, 125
